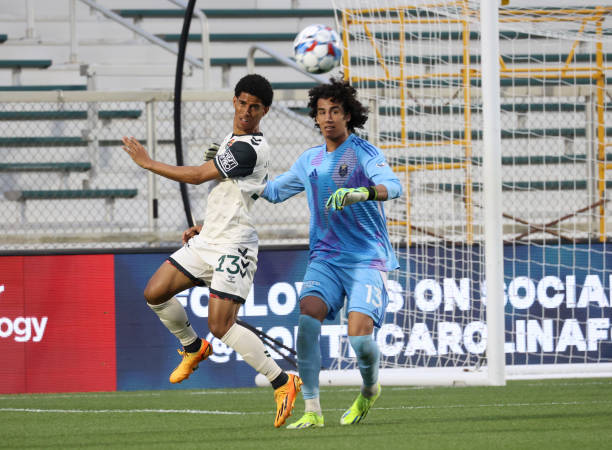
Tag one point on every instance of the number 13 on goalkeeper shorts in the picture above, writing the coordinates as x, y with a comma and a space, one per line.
374, 296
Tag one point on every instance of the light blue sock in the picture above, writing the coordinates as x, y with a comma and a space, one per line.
309, 355
368, 358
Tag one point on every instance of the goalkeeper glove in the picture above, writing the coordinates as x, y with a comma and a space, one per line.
347, 196
211, 152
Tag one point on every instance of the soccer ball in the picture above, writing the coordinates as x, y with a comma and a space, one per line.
317, 49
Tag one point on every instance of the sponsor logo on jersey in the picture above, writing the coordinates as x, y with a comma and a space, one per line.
227, 161
343, 170
313, 174
256, 141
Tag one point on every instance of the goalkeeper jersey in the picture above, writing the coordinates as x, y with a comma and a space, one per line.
356, 236
242, 160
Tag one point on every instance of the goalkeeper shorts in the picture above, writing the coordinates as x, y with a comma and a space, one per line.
227, 269
364, 288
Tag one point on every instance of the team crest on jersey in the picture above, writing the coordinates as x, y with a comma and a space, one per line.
227, 161
343, 170
255, 141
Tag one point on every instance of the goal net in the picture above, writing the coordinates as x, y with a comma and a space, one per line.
418, 65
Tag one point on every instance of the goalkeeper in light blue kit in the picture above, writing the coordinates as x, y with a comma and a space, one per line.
345, 180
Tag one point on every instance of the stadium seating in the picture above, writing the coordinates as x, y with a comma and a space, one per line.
123, 61
21, 63
70, 194
45, 167
126, 61
244, 13
108, 196
45, 87
68, 115
55, 166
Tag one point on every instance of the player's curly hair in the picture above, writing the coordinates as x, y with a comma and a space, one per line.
345, 94
256, 85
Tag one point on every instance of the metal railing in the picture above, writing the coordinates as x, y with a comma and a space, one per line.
68, 134
205, 40
282, 59
203, 64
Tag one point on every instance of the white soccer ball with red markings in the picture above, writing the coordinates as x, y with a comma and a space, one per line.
317, 49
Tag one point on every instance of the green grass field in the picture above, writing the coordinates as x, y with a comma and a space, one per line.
551, 414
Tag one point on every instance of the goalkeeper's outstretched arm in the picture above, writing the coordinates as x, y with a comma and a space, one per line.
347, 196
282, 187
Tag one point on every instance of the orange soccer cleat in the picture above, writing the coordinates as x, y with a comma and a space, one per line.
190, 362
284, 397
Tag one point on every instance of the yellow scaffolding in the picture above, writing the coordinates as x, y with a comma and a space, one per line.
402, 16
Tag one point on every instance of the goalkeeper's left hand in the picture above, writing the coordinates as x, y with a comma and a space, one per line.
211, 152
347, 196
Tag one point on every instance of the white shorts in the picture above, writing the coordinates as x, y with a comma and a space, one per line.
227, 269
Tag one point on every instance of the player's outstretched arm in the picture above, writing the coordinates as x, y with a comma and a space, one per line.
136, 151
347, 196
184, 174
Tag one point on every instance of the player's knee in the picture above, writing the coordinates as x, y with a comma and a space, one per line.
219, 328
222, 314
314, 307
153, 293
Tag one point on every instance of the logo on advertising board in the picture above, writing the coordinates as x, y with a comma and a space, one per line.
20, 328
451, 324
51, 305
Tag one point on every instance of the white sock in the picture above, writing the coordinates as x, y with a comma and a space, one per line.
173, 316
312, 405
252, 350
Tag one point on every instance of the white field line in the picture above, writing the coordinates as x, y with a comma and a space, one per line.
251, 391
129, 411
239, 413
501, 405
125, 394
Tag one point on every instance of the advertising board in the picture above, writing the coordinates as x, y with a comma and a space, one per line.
71, 323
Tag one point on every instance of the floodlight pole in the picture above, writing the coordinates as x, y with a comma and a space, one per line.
492, 171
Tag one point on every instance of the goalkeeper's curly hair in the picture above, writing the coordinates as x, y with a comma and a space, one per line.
345, 94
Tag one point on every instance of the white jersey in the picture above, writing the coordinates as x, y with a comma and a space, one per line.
242, 160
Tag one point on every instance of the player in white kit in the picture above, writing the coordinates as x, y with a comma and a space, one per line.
221, 254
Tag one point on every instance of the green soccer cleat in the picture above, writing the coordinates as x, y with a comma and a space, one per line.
308, 420
359, 409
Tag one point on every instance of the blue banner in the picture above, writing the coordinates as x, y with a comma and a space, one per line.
557, 310
146, 351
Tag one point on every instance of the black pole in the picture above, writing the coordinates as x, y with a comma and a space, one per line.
178, 89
